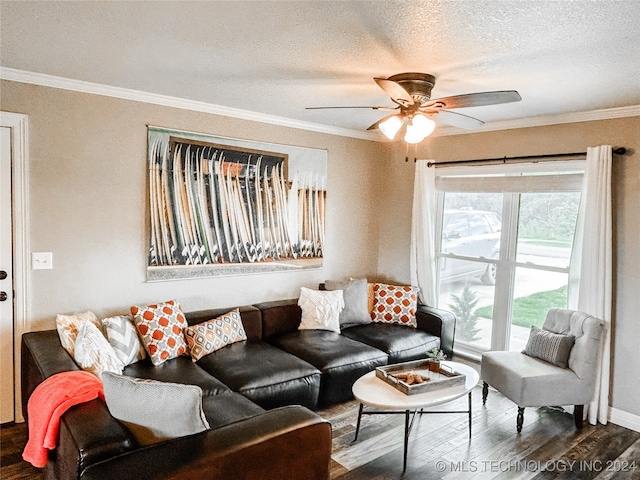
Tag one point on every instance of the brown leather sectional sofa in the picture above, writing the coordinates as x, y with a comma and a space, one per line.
259, 397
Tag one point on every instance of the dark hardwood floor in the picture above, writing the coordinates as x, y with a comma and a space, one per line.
550, 447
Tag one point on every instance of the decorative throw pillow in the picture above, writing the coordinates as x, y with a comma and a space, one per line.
395, 304
68, 326
93, 353
550, 347
155, 411
355, 294
123, 337
160, 327
320, 309
370, 298
212, 335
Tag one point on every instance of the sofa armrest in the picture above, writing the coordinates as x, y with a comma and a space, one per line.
285, 443
441, 323
87, 434
41, 356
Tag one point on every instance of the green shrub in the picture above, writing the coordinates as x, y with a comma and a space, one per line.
463, 306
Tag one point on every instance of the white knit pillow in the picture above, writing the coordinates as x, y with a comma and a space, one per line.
320, 309
93, 353
68, 326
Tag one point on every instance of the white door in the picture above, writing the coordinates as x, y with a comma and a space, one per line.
7, 413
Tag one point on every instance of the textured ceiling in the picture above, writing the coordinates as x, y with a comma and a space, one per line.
279, 57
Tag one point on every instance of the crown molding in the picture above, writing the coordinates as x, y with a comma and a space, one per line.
52, 81
546, 120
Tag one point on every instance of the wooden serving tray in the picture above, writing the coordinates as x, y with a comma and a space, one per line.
444, 378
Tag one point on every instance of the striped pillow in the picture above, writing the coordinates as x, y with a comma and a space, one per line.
123, 337
550, 347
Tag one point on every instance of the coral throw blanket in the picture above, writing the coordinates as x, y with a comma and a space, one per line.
46, 405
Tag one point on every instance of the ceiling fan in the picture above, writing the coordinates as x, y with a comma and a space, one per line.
416, 110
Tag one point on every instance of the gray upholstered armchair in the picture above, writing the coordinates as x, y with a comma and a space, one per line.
544, 376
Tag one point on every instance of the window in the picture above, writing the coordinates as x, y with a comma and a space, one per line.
503, 248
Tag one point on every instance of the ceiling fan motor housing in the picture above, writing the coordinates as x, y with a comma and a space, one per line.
418, 85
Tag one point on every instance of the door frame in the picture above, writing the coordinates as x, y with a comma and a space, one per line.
19, 125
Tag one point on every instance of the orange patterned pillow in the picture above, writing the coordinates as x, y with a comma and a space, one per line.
395, 304
160, 327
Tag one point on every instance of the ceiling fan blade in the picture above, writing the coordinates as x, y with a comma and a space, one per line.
385, 109
396, 91
479, 99
457, 120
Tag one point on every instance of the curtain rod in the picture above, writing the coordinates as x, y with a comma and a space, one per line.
538, 158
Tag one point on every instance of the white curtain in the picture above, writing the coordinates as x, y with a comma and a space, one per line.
590, 276
423, 261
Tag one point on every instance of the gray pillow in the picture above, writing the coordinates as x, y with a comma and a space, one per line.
550, 347
154, 411
356, 301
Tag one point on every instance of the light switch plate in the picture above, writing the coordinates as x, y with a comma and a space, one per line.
42, 260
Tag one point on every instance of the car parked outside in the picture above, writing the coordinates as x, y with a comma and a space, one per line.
469, 233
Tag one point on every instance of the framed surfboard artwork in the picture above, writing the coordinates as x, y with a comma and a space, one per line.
224, 206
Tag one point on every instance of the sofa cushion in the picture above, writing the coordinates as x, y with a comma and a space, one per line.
177, 370
356, 301
340, 359
320, 309
265, 374
227, 408
401, 343
160, 327
154, 411
279, 317
528, 381
207, 337
395, 304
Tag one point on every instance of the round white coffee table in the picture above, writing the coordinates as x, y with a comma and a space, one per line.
373, 392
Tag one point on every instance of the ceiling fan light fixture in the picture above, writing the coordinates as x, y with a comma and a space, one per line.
419, 128
390, 126
413, 135
425, 125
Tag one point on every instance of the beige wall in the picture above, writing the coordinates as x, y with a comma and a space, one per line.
88, 202
575, 137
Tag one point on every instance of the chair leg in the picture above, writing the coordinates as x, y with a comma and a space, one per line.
520, 419
578, 413
485, 392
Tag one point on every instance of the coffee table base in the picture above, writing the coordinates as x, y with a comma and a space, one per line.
408, 422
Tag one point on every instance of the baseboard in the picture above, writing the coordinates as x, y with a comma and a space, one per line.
624, 419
